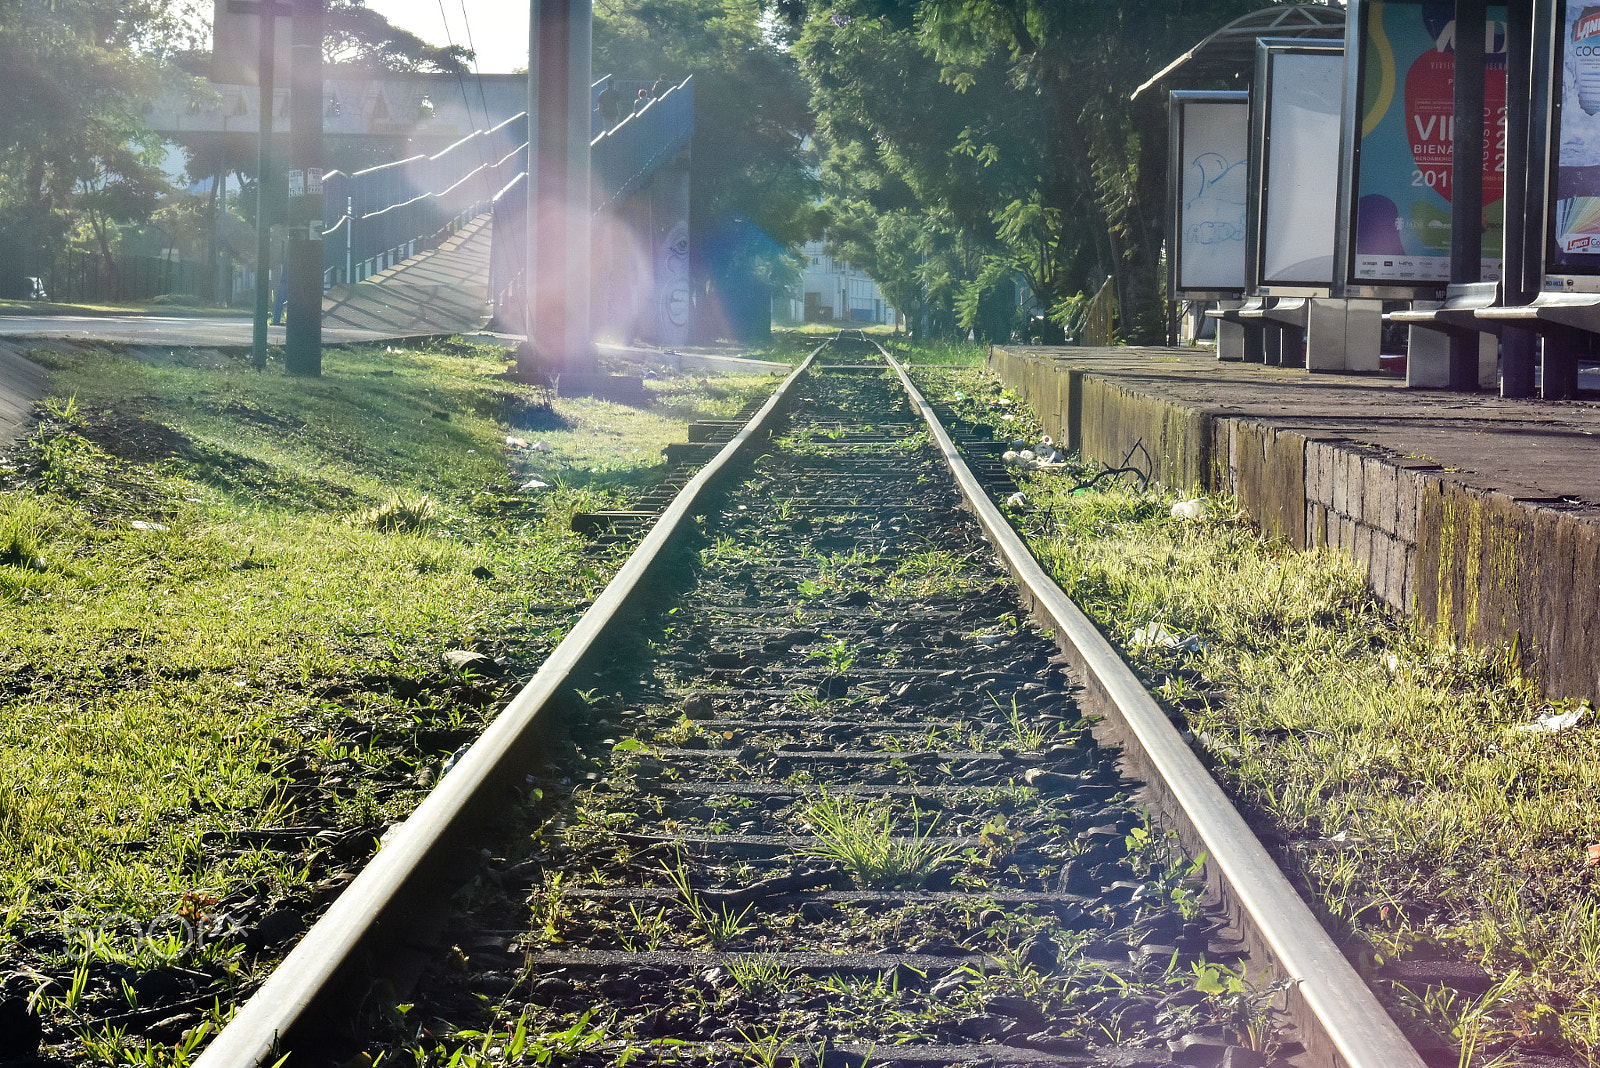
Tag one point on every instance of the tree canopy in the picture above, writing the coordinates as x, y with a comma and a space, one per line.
74, 150
753, 195
355, 37
1008, 122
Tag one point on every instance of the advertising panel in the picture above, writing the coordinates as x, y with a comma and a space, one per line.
1575, 215
1406, 103
1211, 138
1300, 168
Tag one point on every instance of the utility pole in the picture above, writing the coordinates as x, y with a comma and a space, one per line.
268, 12
1466, 180
560, 36
303, 335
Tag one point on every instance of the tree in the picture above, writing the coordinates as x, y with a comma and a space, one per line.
1012, 116
357, 38
73, 147
907, 141
754, 196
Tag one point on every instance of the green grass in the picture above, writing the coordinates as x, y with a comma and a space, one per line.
792, 345
1428, 823
177, 306
864, 837
937, 351
199, 564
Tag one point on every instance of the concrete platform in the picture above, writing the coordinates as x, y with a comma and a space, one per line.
693, 361
1475, 514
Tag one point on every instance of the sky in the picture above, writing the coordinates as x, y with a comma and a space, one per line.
499, 28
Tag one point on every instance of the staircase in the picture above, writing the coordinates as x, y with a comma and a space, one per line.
443, 290
437, 243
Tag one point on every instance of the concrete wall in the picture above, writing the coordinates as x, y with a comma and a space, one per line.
1479, 565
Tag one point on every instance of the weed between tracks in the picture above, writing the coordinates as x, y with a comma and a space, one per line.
1396, 775
866, 840
226, 596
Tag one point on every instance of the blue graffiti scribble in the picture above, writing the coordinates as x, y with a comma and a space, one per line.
1215, 213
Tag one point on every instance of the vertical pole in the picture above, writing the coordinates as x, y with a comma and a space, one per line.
264, 185
303, 335
349, 240
1546, 53
579, 272
528, 356
1466, 180
558, 191
218, 199
1517, 346
550, 268
1558, 359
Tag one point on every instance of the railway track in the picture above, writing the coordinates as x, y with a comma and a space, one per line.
829, 796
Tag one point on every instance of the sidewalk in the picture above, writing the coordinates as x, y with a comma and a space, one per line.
1477, 514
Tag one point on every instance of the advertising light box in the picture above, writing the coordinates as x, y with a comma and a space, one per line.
1399, 230
1300, 86
1574, 247
1209, 182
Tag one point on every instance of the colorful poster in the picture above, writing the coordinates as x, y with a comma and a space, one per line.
1402, 229
1577, 184
1214, 140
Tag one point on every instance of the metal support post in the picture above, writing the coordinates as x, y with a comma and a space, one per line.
1518, 347
1466, 179
264, 187
303, 335
579, 272
349, 240
558, 267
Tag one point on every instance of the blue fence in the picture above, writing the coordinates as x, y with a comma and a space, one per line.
508, 255
384, 214
622, 158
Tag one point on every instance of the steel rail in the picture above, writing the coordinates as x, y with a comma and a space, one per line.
424, 840
1340, 1020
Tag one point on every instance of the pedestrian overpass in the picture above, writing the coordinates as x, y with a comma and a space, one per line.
442, 240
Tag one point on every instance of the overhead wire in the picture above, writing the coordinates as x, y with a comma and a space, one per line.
466, 22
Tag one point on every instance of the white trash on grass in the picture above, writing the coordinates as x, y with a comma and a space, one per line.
1191, 509
1155, 635
1552, 722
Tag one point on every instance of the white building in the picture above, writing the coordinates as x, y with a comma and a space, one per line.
833, 291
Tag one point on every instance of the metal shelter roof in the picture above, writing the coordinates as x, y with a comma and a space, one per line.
1233, 48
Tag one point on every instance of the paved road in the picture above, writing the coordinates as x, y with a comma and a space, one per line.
199, 332
440, 291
